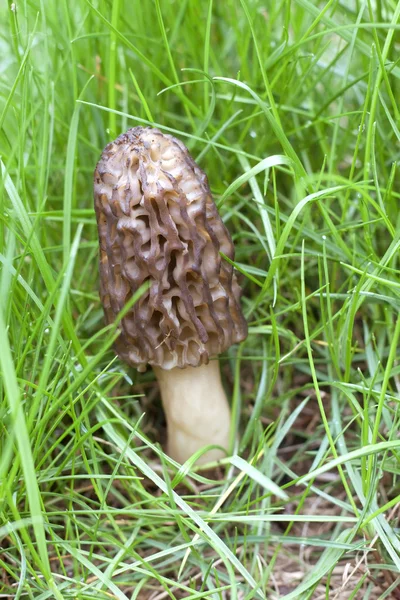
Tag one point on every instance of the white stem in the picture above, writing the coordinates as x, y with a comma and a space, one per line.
196, 410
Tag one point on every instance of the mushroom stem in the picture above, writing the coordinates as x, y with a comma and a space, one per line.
196, 410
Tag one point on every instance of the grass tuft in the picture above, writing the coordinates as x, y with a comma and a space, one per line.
291, 109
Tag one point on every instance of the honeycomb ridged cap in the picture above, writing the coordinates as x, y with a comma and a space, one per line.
158, 223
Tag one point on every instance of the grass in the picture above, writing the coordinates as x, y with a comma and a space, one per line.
291, 108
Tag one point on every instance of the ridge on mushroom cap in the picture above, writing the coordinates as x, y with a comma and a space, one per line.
157, 222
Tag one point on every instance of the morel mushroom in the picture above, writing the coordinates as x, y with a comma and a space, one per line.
158, 223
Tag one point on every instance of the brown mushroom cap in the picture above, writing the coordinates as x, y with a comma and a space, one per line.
157, 222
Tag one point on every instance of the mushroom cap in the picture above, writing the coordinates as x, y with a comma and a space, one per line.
158, 223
